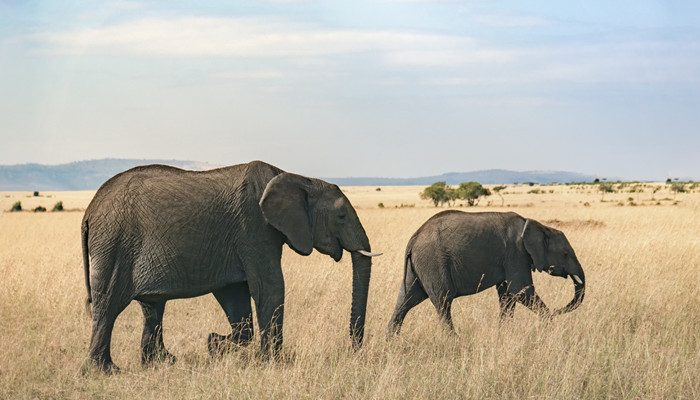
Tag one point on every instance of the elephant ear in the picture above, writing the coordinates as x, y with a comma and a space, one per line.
535, 239
285, 206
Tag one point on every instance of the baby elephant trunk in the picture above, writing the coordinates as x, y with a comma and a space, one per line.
579, 291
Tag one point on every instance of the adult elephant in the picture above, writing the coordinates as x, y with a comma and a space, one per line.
156, 233
457, 254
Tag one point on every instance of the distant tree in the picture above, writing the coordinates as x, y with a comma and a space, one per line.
677, 187
498, 189
605, 187
16, 207
452, 195
471, 192
40, 209
437, 192
58, 206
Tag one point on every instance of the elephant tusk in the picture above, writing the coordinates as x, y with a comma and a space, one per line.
368, 254
577, 279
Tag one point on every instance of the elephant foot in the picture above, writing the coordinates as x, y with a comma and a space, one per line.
161, 356
218, 345
392, 330
106, 367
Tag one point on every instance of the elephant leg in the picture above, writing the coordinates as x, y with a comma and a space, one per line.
152, 346
506, 300
105, 312
235, 301
269, 307
531, 300
443, 305
404, 304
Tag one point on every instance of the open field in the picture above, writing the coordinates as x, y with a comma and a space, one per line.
637, 334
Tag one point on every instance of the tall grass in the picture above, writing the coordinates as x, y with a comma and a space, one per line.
637, 334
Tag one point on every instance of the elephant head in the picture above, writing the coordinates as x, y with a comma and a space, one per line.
313, 214
551, 252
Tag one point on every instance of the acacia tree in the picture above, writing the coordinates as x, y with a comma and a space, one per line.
498, 189
437, 192
472, 192
677, 187
452, 195
605, 187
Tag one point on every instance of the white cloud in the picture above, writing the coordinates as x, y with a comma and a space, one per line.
259, 75
511, 21
453, 58
233, 37
460, 60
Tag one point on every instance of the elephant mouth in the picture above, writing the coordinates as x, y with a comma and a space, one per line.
337, 255
331, 248
554, 271
337, 252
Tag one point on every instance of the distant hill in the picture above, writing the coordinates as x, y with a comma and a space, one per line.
90, 175
487, 177
81, 175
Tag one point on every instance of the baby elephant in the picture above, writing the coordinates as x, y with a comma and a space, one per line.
457, 254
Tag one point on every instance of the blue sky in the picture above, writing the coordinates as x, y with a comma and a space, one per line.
357, 88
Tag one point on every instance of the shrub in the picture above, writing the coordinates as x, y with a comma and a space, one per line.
378, 189
380, 205
16, 207
58, 206
40, 209
36, 194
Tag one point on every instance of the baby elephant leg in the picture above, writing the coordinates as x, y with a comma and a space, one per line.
406, 301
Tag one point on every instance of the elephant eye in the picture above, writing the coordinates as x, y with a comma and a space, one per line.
341, 217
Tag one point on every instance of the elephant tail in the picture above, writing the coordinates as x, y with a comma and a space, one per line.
409, 272
86, 264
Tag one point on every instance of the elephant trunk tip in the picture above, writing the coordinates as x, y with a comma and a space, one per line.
579, 293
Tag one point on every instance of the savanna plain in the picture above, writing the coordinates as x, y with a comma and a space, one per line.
636, 335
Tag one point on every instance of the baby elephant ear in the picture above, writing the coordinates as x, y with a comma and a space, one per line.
284, 205
535, 241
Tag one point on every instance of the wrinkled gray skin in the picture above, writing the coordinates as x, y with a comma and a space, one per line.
457, 254
156, 233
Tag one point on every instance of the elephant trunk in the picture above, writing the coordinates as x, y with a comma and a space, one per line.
361, 269
579, 290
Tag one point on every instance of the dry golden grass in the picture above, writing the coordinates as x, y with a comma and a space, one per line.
637, 335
